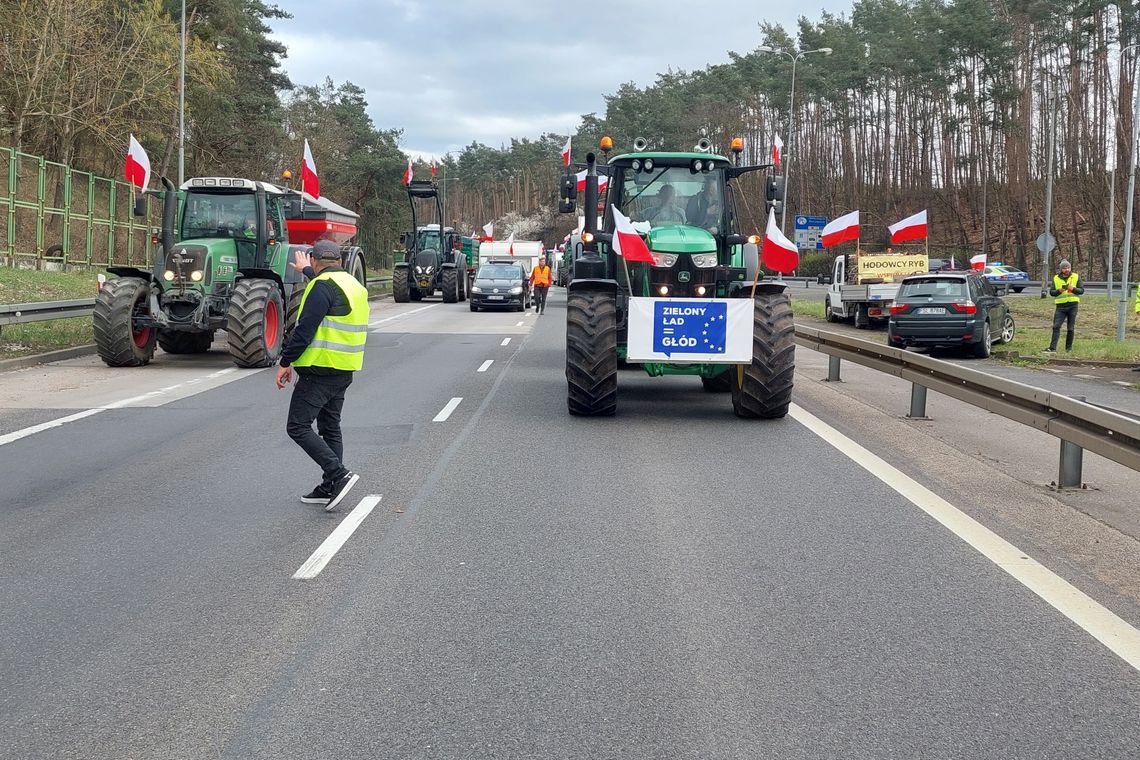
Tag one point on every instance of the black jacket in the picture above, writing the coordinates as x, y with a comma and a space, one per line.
326, 299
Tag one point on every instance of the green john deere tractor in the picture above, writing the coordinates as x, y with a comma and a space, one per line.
222, 265
669, 316
434, 261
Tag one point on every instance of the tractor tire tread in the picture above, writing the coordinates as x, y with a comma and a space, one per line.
245, 321
591, 354
766, 388
111, 324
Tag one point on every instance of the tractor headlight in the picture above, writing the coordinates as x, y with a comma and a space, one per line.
701, 290
196, 275
664, 259
427, 270
168, 276
517, 290
663, 290
419, 270
704, 260
636, 165
476, 289
648, 164
698, 165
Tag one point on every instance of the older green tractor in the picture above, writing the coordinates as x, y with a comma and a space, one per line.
222, 265
684, 206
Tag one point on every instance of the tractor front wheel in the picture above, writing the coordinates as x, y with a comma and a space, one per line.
179, 342
400, 288
591, 354
119, 339
450, 286
762, 389
255, 323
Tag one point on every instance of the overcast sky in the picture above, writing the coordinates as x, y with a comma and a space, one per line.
451, 71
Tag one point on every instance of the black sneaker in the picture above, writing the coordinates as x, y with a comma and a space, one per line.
340, 489
319, 495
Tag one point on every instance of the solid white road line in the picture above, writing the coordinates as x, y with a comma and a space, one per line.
1098, 621
508, 340
400, 316
120, 404
447, 410
331, 545
485, 365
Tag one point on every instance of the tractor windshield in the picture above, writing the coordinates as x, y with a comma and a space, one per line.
428, 240
207, 214
672, 195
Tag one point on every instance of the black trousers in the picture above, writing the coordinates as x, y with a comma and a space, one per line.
1066, 314
540, 298
319, 398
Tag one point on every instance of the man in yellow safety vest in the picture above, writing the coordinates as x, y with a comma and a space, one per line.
1137, 368
326, 348
1066, 291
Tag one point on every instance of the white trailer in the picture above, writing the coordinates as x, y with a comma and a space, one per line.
524, 251
866, 291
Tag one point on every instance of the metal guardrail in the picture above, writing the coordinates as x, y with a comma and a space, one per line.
1078, 424
19, 313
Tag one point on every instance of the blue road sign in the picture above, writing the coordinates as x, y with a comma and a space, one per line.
698, 327
808, 231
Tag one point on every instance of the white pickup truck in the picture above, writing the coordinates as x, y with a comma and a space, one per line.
866, 294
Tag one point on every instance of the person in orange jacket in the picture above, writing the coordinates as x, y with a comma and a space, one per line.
540, 281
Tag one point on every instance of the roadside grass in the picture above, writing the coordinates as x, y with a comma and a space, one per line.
30, 286
807, 308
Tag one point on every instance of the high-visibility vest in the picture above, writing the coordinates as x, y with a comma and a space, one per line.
1060, 282
339, 341
1138, 300
541, 277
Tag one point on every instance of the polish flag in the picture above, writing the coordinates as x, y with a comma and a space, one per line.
566, 153
408, 173
603, 181
627, 242
137, 165
841, 230
911, 228
433, 168
777, 149
511, 245
778, 254
978, 262
489, 230
310, 182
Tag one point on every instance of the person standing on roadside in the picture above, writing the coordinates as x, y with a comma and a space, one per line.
1137, 368
540, 280
1066, 291
326, 348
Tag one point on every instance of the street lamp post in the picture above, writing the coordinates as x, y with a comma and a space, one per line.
182, 102
1122, 305
791, 120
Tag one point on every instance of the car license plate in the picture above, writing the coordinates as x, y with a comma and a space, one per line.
930, 311
495, 298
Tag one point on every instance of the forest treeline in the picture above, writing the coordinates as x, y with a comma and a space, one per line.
938, 104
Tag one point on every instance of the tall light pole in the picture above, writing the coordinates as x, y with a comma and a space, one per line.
1122, 305
182, 102
791, 120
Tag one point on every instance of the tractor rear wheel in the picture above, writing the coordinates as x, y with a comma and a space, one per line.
591, 354
179, 342
721, 383
461, 273
450, 286
400, 287
255, 323
118, 339
357, 271
762, 389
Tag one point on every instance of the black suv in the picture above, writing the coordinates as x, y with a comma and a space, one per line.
949, 309
501, 285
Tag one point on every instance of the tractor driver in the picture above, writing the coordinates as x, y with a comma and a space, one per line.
704, 207
666, 211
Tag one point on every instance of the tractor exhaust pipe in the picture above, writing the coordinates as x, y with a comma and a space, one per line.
590, 215
169, 208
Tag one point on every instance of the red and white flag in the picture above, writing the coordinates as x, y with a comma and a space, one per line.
310, 182
566, 153
408, 173
778, 254
841, 230
137, 165
777, 149
489, 230
978, 262
627, 242
603, 181
511, 245
433, 168
911, 228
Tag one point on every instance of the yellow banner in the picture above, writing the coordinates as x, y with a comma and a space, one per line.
892, 266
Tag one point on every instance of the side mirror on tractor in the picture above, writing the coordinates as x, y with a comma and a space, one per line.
568, 193
140, 205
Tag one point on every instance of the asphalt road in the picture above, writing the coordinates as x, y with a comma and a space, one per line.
669, 583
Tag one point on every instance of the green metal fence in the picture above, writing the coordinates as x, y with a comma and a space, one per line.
53, 214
